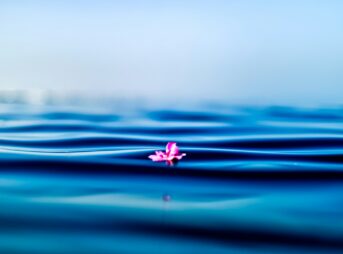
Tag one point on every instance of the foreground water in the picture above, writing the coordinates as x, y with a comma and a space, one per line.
255, 180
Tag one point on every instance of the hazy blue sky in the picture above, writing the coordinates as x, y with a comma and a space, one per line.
258, 51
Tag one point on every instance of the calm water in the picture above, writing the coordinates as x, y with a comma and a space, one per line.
255, 180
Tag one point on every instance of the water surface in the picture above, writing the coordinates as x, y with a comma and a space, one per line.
255, 180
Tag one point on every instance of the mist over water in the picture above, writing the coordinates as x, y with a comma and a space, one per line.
277, 52
256, 179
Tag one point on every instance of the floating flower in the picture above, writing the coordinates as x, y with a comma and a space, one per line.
172, 153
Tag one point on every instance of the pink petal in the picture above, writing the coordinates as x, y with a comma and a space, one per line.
160, 153
179, 157
156, 157
172, 149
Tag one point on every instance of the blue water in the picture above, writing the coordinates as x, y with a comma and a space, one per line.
255, 180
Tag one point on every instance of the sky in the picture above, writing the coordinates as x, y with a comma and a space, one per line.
277, 52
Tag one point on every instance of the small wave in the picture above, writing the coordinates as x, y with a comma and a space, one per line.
253, 178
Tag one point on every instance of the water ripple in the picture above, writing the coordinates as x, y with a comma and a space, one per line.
253, 179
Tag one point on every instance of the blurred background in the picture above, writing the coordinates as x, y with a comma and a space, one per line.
258, 51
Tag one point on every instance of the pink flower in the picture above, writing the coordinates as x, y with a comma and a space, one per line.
172, 153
